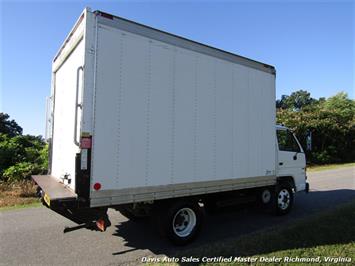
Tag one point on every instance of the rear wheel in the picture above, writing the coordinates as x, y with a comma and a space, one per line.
180, 221
265, 196
184, 222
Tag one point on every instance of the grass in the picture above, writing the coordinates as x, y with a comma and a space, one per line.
316, 168
21, 206
18, 195
328, 234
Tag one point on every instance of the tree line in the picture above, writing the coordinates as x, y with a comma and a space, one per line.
331, 122
20, 155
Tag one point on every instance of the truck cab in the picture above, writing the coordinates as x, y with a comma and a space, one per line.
291, 159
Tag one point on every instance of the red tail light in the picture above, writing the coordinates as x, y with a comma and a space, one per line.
97, 186
85, 143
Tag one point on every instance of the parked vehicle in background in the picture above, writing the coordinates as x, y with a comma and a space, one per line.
150, 123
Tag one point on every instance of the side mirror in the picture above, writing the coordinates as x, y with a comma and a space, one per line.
295, 156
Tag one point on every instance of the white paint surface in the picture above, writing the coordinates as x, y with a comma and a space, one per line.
168, 115
64, 149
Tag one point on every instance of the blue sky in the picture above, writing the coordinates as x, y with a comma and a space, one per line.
311, 44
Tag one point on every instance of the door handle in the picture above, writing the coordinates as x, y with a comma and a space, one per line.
281, 163
81, 68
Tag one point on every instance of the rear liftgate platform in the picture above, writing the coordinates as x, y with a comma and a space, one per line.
61, 199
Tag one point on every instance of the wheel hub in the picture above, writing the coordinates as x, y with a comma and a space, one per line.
283, 199
184, 222
266, 196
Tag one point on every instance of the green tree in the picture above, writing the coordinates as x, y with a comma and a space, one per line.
296, 101
9, 127
332, 124
20, 155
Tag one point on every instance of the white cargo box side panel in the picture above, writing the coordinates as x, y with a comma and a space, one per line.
119, 130
166, 117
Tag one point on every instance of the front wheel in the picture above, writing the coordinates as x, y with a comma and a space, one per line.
284, 198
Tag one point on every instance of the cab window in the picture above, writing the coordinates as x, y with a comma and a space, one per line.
287, 141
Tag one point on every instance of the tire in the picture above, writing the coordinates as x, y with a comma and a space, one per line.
180, 221
284, 198
265, 197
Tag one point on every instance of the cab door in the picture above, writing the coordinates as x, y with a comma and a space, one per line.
291, 158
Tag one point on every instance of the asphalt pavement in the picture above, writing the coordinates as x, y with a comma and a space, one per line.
34, 236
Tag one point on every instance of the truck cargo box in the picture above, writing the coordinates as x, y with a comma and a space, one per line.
138, 114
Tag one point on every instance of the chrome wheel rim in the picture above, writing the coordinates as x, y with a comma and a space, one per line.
283, 199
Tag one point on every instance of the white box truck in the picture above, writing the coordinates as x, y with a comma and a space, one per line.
150, 123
